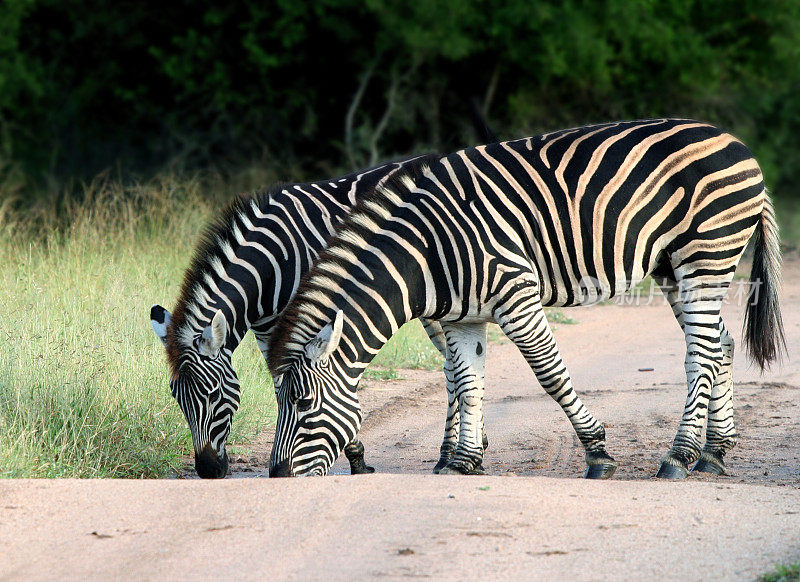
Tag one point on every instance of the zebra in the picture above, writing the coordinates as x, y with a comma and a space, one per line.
496, 232
245, 268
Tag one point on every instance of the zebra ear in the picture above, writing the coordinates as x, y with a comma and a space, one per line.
160, 319
214, 335
327, 340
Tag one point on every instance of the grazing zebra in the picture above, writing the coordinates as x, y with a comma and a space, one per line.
245, 269
496, 232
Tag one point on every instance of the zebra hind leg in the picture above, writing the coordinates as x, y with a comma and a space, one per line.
721, 431
354, 451
701, 300
522, 319
464, 368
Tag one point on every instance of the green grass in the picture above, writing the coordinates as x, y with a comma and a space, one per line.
410, 347
556, 316
83, 380
783, 573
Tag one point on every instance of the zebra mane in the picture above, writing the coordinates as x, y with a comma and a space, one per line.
208, 251
298, 324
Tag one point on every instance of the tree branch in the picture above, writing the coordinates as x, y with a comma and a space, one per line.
351, 111
391, 99
490, 90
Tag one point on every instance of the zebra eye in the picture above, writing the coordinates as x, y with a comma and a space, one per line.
304, 404
303, 401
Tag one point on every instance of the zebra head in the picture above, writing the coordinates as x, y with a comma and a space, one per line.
205, 386
318, 412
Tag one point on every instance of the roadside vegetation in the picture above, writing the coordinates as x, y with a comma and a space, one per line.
783, 573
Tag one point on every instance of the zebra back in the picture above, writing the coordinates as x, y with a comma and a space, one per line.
592, 210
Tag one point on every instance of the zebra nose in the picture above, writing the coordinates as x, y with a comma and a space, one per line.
281, 469
209, 464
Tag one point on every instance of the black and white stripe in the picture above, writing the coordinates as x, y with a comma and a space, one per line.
495, 233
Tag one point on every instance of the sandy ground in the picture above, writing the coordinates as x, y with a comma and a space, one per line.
530, 517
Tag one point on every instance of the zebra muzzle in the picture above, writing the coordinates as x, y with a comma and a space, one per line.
209, 464
281, 469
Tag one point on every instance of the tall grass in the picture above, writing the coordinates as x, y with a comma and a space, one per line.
83, 379
408, 348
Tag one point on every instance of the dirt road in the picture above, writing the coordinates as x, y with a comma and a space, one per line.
531, 517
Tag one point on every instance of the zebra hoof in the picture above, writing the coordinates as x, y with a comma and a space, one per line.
479, 470
454, 469
710, 463
671, 471
446, 453
440, 465
601, 465
359, 467
600, 471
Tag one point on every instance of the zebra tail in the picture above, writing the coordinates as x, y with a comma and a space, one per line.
763, 325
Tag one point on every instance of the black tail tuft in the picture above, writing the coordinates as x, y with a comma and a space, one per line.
763, 325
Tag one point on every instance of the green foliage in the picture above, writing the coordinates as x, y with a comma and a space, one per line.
783, 573
556, 316
323, 85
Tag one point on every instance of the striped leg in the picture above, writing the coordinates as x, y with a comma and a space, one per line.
522, 319
435, 334
466, 359
720, 430
451, 427
700, 300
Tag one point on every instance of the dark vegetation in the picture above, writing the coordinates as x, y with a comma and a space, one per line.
311, 89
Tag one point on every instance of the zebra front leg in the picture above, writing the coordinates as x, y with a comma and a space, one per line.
354, 451
451, 425
720, 431
522, 319
451, 432
450, 441
464, 368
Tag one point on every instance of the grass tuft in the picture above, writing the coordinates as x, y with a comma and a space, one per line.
409, 348
783, 573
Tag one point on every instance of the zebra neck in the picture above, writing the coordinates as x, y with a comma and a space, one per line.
371, 318
375, 304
